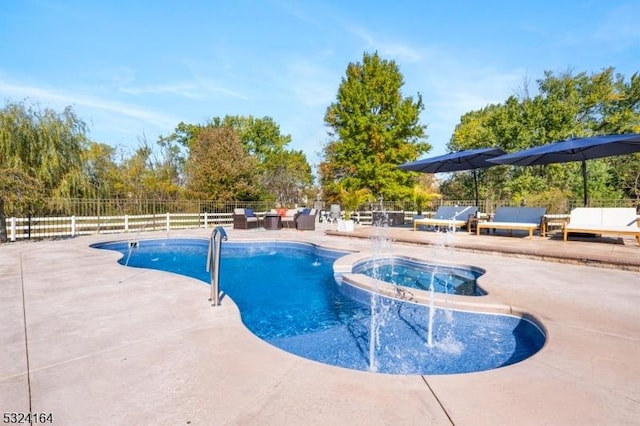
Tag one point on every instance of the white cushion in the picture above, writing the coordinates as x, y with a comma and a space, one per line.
604, 216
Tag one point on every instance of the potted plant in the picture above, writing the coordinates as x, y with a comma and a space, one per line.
351, 199
420, 197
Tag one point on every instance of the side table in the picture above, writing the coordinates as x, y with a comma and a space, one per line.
550, 220
272, 222
472, 223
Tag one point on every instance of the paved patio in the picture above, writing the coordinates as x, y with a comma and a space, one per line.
93, 342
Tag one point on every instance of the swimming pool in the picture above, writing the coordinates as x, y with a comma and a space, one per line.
287, 296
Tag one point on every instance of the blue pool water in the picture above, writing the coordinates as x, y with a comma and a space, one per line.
287, 295
423, 276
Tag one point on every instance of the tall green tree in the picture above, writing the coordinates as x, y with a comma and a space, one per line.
373, 128
101, 170
147, 175
218, 167
261, 137
286, 176
283, 175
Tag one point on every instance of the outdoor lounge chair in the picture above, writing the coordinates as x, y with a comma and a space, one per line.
607, 220
450, 216
245, 219
518, 218
335, 213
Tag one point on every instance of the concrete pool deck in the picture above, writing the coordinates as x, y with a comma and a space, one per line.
93, 342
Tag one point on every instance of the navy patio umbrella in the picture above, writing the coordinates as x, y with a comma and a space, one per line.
574, 149
471, 159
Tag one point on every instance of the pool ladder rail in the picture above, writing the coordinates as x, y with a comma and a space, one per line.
213, 262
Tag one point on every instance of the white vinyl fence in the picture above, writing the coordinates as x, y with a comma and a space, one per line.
51, 227
19, 228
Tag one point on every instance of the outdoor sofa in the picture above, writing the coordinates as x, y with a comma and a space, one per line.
303, 219
515, 218
604, 220
450, 216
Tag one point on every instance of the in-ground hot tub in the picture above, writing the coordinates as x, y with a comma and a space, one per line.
419, 275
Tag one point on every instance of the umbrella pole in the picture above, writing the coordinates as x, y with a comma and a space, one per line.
475, 184
584, 181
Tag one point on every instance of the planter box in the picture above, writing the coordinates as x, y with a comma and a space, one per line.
346, 225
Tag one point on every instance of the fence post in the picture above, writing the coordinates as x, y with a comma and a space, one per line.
73, 226
206, 220
12, 229
168, 221
126, 223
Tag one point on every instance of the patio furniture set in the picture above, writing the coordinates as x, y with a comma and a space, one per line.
583, 220
300, 219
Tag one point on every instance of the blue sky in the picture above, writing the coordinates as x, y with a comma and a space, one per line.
133, 69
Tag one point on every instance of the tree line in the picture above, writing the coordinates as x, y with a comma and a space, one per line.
566, 105
372, 127
45, 154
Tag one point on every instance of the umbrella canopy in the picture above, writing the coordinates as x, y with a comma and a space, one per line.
574, 149
455, 161
472, 159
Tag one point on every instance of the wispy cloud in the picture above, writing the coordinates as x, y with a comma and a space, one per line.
396, 50
453, 84
190, 90
60, 99
197, 84
615, 30
212, 88
311, 84
187, 90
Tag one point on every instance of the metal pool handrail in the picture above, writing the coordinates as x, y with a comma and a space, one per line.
213, 262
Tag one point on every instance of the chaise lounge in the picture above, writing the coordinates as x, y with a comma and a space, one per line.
606, 220
518, 218
451, 216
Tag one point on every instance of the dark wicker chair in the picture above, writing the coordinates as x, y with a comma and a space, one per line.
306, 222
245, 219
